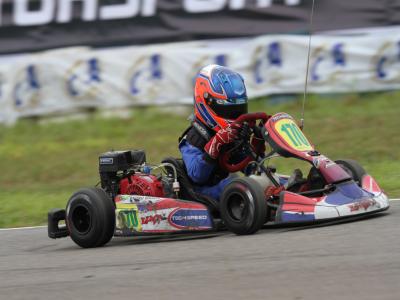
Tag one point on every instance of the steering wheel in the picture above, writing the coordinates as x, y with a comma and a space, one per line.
224, 159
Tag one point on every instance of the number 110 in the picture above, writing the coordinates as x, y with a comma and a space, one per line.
295, 135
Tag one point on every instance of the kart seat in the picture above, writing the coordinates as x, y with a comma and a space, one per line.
186, 186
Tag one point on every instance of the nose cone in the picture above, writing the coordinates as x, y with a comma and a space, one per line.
347, 200
347, 193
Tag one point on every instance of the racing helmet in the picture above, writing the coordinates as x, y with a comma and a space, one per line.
219, 96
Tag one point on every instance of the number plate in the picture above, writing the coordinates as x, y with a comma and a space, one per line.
292, 135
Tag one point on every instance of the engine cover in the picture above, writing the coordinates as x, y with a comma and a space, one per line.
143, 185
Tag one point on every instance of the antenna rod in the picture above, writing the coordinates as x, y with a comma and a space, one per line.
308, 65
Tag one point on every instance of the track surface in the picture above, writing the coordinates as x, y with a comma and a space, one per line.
358, 260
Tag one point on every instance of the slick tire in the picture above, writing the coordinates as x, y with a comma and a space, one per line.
90, 217
353, 168
243, 206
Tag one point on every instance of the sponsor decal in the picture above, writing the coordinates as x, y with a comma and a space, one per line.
328, 64
266, 65
62, 11
130, 218
188, 218
127, 218
26, 92
202, 130
363, 204
154, 219
323, 161
387, 63
83, 79
135, 199
106, 161
280, 116
145, 77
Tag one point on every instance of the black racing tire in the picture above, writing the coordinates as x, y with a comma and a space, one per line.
90, 217
353, 168
243, 206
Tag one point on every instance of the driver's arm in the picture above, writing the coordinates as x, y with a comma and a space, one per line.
198, 169
200, 163
222, 137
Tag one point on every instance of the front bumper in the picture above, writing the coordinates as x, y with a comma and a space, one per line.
54, 217
348, 200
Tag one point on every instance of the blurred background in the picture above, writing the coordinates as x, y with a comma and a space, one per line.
81, 77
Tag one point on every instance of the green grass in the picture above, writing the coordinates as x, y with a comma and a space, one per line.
43, 164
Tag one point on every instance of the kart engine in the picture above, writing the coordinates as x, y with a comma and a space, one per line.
126, 172
142, 184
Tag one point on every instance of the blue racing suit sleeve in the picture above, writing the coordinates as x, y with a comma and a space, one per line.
197, 168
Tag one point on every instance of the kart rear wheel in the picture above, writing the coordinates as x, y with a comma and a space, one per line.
353, 168
243, 206
90, 217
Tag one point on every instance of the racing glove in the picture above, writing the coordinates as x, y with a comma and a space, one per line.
222, 137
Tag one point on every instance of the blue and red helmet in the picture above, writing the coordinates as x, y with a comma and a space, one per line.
219, 96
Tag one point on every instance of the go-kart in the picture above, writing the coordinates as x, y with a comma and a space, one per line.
136, 198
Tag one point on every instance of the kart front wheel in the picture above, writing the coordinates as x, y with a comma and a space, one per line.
353, 168
243, 206
90, 217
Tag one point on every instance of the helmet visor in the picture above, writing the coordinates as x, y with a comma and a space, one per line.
229, 109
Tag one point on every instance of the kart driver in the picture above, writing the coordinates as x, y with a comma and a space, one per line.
219, 98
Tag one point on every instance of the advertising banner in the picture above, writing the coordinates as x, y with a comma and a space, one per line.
30, 25
64, 81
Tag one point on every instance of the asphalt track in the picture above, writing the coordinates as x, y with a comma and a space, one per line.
356, 260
